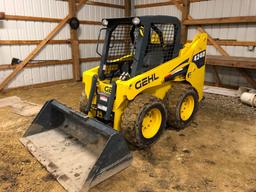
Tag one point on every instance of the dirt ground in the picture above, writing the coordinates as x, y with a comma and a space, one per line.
216, 153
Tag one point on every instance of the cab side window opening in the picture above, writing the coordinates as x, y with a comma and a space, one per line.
160, 45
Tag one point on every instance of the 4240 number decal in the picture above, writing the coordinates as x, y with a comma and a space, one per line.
199, 59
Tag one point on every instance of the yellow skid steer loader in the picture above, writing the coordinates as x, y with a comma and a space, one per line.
146, 80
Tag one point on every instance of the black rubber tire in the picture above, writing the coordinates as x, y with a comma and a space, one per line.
173, 100
83, 102
131, 122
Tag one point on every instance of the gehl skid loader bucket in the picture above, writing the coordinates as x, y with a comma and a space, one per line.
79, 151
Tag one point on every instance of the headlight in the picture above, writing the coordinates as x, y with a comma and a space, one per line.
104, 22
136, 21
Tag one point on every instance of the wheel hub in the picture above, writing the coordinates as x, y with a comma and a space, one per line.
151, 123
187, 107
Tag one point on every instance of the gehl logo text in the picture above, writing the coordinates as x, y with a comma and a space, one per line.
145, 81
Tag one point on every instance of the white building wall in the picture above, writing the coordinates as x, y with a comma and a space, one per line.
216, 9
161, 10
30, 30
239, 32
91, 31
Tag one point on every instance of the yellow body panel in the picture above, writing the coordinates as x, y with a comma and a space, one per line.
153, 81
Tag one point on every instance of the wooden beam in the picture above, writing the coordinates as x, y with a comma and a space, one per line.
87, 22
30, 18
232, 42
184, 28
236, 43
164, 3
216, 75
192, 1
48, 63
2, 15
141, 6
231, 61
214, 43
90, 59
102, 4
81, 3
40, 85
19, 67
128, 13
90, 41
35, 42
224, 20
45, 19
128, 8
110, 5
74, 43
37, 64
248, 77
222, 85
31, 42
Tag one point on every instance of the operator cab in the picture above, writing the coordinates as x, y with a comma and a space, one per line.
137, 44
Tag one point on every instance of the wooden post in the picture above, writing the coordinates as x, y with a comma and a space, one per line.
128, 8
2, 15
221, 20
184, 28
248, 77
74, 44
127, 5
216, 75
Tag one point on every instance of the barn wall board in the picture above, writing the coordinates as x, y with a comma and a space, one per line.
31, 30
